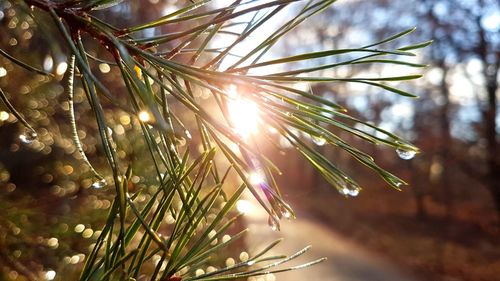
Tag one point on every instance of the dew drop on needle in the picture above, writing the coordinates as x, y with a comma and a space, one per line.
320, 141
405, 154
99, 183
28, 137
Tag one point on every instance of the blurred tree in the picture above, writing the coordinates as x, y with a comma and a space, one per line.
460, 91
451, 182
468, 32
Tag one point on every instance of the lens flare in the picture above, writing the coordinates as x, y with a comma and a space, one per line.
244, 114
256, 178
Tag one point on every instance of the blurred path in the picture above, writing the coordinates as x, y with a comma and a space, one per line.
346, 261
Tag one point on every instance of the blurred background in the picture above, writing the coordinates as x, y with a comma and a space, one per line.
443, 226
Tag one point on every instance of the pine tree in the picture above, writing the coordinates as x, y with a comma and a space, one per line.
197, 116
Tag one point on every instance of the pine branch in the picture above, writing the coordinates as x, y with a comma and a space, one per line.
157, 85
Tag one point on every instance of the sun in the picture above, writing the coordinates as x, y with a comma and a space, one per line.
243, 113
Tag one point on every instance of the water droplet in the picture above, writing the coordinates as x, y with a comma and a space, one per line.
273, 223
286, 214
285, 211
188, 134
319, 140
99, 183
398, 184
350, 189
28, 137
406, 154
354, 192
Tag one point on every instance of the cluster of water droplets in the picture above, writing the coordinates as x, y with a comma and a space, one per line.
28, 137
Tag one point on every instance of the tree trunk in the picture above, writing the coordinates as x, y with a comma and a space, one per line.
446, 144
491, 63
491, 138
